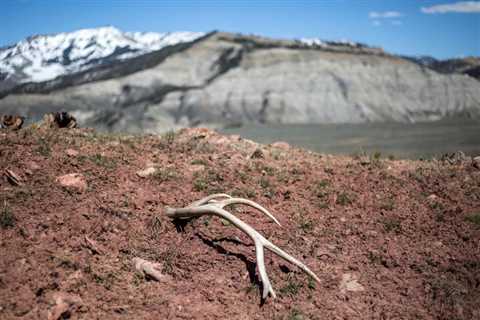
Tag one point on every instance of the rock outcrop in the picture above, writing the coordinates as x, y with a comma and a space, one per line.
225, 79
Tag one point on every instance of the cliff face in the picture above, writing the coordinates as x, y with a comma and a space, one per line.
226, 79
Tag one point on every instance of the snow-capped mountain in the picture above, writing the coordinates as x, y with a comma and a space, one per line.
45, 57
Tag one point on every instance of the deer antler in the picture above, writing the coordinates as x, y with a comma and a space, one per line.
211, 206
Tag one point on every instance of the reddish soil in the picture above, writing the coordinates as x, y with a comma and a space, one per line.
388, 239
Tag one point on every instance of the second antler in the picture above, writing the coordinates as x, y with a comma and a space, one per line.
211, 205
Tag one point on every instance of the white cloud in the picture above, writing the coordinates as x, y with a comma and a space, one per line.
397, 22
385, 14
461, 7
376, 23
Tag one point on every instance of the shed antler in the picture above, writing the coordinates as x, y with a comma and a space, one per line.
211, 206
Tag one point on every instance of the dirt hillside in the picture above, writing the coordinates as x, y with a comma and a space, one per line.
388, 239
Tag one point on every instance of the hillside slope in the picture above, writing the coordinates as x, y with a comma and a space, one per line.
388, 239
230, 79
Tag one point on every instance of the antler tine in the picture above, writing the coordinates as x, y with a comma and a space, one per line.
249, 203
209, 198
260, 254
290, 259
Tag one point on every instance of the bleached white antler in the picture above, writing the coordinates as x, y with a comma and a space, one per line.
211, 206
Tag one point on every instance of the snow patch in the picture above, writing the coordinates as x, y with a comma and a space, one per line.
42, 58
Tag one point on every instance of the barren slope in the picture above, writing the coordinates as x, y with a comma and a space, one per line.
388, 239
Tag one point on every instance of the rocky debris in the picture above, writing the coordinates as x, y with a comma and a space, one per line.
391, 249
350, 283
12, 122
64, 305
59, 120
146, 172
75, 181
13, 178
455, 157
150, 270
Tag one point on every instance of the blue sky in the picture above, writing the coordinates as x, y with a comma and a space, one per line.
441, 29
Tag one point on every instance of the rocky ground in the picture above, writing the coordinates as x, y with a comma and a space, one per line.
388, 239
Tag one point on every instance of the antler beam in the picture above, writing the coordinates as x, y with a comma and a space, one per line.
211, 206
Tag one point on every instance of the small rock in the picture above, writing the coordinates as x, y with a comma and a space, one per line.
364, 160
454, 157
71, 152
146, 172
114, 143
235, 137
32, 165
281, 145
74, 181
59, 120
257, 154
12, 122
432, 197
64, 305
13, 178
476, 162
349, 283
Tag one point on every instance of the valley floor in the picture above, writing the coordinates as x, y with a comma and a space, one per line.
388, 239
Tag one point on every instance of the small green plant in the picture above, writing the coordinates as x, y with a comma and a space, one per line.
44, 147
65, 260
106, 280
474, 218
292, 288
138, 278
169, 137
264, 182
199, 184
295, 314
392, 225
306, 224
253, 287
344, 199
387, 204
166, 174
283, 176
199, 162
103, 161
209, 180
7, 219
169, 258
243, 193
155, 227
374, 257
322, 184
269, 170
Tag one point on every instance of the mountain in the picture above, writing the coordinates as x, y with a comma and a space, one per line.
469, 65
221, 79
45, 57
